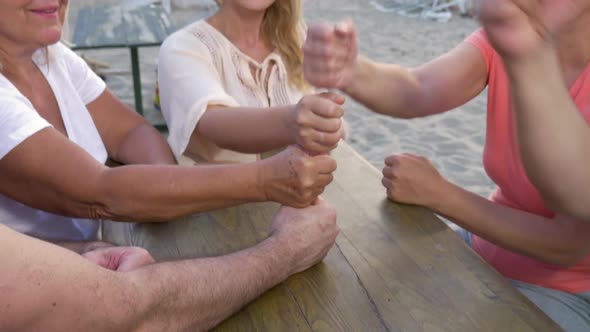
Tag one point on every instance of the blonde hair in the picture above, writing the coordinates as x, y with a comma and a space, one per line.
284, 27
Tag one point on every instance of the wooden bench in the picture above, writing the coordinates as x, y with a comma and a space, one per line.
394, 267
121, 27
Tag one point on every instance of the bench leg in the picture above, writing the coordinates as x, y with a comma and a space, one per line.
136, 80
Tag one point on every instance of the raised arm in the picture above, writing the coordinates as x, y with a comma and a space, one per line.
45, 287
554, 137
49, 172
446, 82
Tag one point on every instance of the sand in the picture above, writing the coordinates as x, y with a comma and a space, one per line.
453, 141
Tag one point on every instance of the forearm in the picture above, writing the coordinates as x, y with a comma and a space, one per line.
386, 89
247, 130
553, 136
561, 241
161, 193
144, 145
197, 295
52, 289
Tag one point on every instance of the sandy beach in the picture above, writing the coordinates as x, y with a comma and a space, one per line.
453, 141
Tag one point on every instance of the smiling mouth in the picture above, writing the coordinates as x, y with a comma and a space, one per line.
45, 11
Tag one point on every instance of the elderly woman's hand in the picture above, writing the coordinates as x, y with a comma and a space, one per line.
294, 178
518, 28
316, 122
330, 55
410, 179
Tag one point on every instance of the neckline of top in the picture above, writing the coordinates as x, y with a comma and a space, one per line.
270, 57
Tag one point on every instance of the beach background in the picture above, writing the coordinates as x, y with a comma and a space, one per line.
453, 141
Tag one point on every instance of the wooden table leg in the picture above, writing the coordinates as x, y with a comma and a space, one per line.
136, 79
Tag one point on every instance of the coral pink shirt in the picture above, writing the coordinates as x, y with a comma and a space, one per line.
503, 165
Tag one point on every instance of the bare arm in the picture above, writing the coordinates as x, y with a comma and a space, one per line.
314, 123
331, 61
247, 130
554, 138
49, 172
48, 288
128, 137
561, 240
435, 87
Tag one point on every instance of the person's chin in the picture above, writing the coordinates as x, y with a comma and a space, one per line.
50, 37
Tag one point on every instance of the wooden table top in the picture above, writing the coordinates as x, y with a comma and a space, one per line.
393, 268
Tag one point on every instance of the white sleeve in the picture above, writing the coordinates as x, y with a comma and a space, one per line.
188, 82
88, 85
17, 123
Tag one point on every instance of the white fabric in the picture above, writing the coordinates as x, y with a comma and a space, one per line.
74, 86
198, 66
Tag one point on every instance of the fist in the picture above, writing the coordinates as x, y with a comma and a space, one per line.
294, 178
517, 28
329, 55
121, 259
316, 122
306, 235
413, 180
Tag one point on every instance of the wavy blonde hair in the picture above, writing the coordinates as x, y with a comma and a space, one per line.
283, 25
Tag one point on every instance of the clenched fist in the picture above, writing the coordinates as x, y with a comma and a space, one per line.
294, 178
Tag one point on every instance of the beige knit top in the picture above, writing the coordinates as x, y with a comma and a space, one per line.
198, 66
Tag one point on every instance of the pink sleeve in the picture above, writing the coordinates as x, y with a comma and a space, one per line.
480, 40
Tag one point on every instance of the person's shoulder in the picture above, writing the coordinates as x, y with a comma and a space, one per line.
187, 38
60, 51
12, 102
10, 96
480, 41
192, 40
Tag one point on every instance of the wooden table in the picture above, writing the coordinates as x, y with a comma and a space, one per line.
120, 27
394, 268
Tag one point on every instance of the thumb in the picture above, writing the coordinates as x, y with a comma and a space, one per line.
344, 29
334, 97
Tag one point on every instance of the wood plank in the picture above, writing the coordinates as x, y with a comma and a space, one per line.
328, 296
411, 262
394, 268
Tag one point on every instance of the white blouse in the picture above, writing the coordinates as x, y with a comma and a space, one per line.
197, 67
74, 86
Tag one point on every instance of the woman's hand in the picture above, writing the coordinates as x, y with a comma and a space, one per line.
518, 28
330, 55
410, 179
294, 178
120, 259
316, 122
